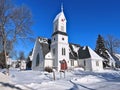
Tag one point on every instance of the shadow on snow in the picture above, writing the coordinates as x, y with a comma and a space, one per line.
75, 86
10, 86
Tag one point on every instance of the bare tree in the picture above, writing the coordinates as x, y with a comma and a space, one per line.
112, 44
15, 23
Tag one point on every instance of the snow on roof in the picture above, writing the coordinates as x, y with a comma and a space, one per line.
49, 55
58, 16
84, 48
75, 48
110, 57
43, 40
117, 55
94, 55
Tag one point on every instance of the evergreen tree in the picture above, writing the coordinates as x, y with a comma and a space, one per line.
101, 50
29, 62
21, 55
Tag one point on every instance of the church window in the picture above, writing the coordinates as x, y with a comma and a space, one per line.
56, 28
63, 51
54, 51
72, 62
54, 39
62, 20
62, 28
84, 63
37, 59
97, 63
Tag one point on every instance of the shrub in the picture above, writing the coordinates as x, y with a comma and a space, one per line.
48, 69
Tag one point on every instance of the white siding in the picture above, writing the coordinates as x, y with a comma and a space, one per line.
74, 63
58, 44
95, 67
88, 66
22, 65
81, 63
37, 49
48, 63
48, 60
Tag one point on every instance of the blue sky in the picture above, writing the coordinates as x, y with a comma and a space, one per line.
85, 19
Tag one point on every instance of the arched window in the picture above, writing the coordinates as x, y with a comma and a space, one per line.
54, 51
37, 59
63, 51
84, 63
62, 28
97, 63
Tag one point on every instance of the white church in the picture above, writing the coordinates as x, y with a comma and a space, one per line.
57, 53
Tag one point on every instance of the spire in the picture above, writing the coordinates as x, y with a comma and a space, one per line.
61, 7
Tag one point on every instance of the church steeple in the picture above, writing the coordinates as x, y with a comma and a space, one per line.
59, 43
60, 22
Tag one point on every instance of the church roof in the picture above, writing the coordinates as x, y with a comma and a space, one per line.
59, 15
45, 45
73, 54
75, 50
86, 52
45, 48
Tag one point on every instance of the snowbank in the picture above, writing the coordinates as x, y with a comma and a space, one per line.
4, 78
77, 79
90, 79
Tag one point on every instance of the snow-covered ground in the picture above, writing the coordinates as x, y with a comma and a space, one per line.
74, 80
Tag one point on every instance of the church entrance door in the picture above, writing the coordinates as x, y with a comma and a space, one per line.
63, 65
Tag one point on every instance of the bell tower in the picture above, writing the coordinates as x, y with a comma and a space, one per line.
59, 45
60, 22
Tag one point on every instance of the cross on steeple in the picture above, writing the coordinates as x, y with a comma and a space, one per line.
61, 7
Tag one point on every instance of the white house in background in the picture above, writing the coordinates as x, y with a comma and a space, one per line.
111, 59
14, 63
22, 65
9, 61
117, 60
57, 53
89, 59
